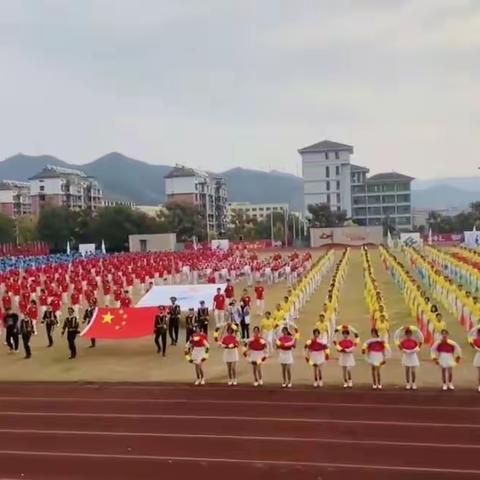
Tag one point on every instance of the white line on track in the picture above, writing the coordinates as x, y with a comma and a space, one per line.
241, 461
237, 437
231, 402
237, 418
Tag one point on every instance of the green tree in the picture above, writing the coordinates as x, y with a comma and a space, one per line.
26, 229
115, 224
7, 229
242, 227
187, 221
56, 227
321, 215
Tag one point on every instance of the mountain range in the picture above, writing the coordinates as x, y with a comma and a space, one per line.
124, 178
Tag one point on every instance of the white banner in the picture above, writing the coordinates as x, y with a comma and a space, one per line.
86, 248
412, 239
472, 239
188, 296
220, 244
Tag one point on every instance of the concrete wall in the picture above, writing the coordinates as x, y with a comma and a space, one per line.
353, 236
159, 242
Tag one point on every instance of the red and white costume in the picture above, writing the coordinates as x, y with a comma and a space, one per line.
375, 348
285, 345
410, 347
199, 346
446, 352
257, 349
317, 351
230, 345
346, 347
260, 298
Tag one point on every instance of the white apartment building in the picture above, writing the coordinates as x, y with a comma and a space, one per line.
195, 187
326, 171
330, 178
257, 211
64, 187
15, 198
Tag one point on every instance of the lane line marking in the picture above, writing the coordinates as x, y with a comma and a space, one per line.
242, 461
238, 418
231, 402
237, 437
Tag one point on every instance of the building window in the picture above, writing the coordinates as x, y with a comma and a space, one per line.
41, 197
339, 209
328, 186
327, 172
143, 245
337, 170
328, 198
403, 198
326, 155
374, 200
337, 156
388, 199
267, 209
338, 198
42, 188
338, 185
403, 187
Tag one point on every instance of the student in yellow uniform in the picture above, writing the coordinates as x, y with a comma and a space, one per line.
383, 327
267, 327
323, 326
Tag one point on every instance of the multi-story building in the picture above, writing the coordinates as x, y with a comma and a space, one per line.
256, 211
15, 198
383, 196
330, 178
64, 187
207, 192
326, 172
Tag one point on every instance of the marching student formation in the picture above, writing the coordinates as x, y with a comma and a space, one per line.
52, 291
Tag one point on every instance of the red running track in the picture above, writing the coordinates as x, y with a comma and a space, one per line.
146, 431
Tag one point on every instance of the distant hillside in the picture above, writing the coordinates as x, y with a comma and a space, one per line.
129, 179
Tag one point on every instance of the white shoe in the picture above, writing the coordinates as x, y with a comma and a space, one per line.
202, 381
407, 386
379, 387
289, 385
479, 388
345, 385
374, 386
320, 383
414, 386
197, 382
234, 382
350, 384
450, 386
444, 387
284, 385
255, 384
315, 384
260, 382
229, 382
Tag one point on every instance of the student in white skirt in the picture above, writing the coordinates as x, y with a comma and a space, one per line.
316, 354
446, 353
230, 346
346, 346
474, 341
376, 350
409, 340
285, 345
197, 353
256, 354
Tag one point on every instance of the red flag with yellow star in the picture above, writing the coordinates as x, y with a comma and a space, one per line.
118, 323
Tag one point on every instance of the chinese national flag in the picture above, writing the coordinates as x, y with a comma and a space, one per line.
119, 323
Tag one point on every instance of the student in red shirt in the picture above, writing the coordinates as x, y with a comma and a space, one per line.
7, 301
125, 300
197, 353
285, 345
230, 346
446, 353
375, 348
246, 299
316, 354
229, 291
260, 297
219, 301
32, 313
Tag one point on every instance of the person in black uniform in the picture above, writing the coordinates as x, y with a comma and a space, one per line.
26, 329
160, 327
50, 320
87, 318
174, 321
71, 326
190, 322
11, 325
203, 317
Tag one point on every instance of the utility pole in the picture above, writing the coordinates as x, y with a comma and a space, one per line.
271, 228
285, 211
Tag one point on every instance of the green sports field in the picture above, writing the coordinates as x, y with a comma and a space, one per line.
136, 360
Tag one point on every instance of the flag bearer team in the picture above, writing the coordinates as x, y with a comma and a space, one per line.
39, 294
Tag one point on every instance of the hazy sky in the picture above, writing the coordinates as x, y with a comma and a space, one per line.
222, 83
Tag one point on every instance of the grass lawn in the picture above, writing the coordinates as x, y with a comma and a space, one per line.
136, 360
